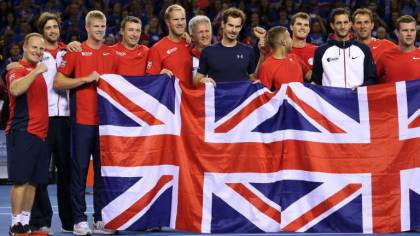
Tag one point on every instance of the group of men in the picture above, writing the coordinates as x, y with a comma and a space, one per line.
53, 98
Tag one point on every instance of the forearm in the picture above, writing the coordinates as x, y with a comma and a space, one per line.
20, 86
63, 82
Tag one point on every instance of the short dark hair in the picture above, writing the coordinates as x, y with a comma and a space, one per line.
404, 19
44, 18
274, 33
362, 11
132, 19
235, 13
338, 11
302, 15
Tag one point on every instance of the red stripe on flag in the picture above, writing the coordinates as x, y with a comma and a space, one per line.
128, 104
322, 207
415, 123
314, 114
256, 201
248, 109
139, 205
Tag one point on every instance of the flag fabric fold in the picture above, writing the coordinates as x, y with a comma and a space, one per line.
239, 158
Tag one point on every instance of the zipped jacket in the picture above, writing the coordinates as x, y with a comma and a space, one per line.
343, 64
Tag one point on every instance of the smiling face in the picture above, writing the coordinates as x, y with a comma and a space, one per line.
96, 28
51, 31
300, 28
407, 34
202, 34
131, 34
341, 26
363, 26
176, 23
232, 27
34, 49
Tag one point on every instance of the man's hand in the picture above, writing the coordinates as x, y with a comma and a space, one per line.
92, 77
259, 32
186, 37
13, 65
74, 46
208, 80
41, 68
167, 72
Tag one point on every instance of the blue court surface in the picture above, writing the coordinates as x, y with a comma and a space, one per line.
5, 218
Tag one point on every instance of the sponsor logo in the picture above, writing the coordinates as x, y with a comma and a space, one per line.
311, 61
416, 58
86, 54
149, 65
170, 51
120, 53
45, 58
63, 64
240, 56
375, 47
330, 59
354, 57
106, 53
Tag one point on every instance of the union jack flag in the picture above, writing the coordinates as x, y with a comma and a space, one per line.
240, 158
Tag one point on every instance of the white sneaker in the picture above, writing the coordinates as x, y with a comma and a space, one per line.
99, 228
82, 228
46, 229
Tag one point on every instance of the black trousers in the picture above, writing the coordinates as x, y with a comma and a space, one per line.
59, 148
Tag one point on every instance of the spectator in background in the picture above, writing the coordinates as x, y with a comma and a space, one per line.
381, 33
153, 30
316, 36
14, 54
109, 39
403, 62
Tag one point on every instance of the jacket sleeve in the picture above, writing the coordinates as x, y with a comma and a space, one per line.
317, 69
369, 68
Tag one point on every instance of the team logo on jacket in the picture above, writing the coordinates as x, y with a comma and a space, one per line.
330, 59
120, 53
170, 51
63, 64
86, 54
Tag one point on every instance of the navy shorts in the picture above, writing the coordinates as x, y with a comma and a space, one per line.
27, 158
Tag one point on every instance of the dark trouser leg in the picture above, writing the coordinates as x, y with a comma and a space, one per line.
63, 163
82, 138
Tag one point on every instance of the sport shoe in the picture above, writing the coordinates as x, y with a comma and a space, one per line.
99, 228
82, 228
44, 230
18, 229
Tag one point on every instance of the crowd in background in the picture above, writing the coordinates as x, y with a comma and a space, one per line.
17, 17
